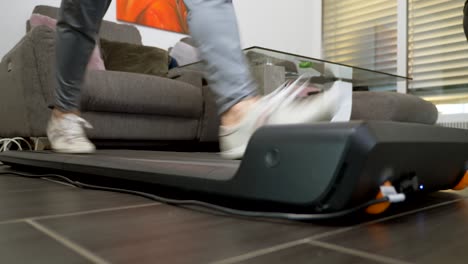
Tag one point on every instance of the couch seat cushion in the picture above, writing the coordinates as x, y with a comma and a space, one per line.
121, 92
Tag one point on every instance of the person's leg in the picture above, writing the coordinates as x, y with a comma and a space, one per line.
213, 26
77, 29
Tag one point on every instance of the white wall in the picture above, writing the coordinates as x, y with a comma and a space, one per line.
293, 26
13, 20
150, 36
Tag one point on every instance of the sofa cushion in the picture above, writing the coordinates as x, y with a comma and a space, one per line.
127, 57
41, 20
124, 126
95, 61
382, 106
393, 107
121, 92
185, 52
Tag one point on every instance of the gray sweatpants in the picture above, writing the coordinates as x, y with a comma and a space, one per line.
212, 25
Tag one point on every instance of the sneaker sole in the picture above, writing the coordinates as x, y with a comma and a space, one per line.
74, 151
235, 153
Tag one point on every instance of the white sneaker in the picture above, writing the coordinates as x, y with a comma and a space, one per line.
66, 134
334, 104
283, 107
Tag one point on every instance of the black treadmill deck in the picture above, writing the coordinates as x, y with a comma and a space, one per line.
195, 164
321, 167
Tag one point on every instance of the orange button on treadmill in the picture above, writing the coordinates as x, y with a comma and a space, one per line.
463, 183
380, 207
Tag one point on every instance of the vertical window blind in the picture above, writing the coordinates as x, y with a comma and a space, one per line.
437, 47
361, 33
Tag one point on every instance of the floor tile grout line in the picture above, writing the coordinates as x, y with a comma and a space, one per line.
322, 235
110, 209
327, 234
412, 212
356, 253
68, 243
261, 252
264, 251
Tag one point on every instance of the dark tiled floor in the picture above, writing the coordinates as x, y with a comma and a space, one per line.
15, 184
40, 198
174, 235
309, 254
22, 243
432, 236
47, 222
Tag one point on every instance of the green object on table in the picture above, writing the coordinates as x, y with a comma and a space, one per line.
305, 64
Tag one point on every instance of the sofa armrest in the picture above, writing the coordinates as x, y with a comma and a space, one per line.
209, 122
43, 44
23, 105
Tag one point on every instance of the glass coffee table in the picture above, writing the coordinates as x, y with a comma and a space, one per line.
271, 68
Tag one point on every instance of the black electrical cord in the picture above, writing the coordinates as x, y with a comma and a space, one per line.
229, 211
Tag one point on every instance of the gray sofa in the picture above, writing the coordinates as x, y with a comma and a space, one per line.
135, 107
120, 105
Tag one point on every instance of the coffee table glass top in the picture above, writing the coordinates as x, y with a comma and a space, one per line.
291, 66
296, 65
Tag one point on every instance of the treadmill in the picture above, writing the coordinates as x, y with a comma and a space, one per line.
321, 168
